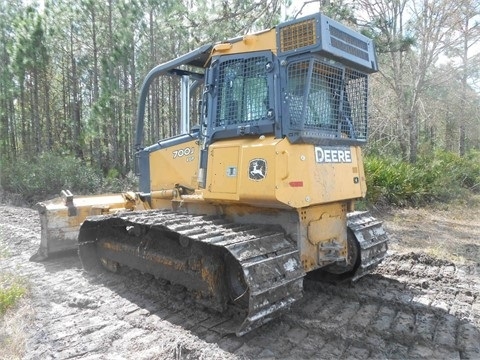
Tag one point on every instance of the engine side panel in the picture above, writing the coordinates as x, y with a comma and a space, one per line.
177, 164
272, 172
170, 162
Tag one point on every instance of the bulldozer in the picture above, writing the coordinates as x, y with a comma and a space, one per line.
262, 191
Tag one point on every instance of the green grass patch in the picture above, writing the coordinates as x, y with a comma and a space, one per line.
12, 289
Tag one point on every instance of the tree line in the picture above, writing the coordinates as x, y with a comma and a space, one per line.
71, 71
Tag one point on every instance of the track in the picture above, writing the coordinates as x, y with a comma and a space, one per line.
256, 269
413, 306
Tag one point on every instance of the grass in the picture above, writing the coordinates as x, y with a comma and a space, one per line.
12, 289
15, 311
13, 326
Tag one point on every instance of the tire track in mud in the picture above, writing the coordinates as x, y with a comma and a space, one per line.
414, 306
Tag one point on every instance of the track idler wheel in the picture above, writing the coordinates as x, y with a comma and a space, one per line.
87, 252
353, 257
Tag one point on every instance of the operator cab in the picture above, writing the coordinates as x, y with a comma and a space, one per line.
313, 89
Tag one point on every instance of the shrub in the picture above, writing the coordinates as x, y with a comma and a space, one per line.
47, 176
50, 173
440, 176
393, 182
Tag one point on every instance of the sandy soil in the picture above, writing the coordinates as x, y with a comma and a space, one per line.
422, 302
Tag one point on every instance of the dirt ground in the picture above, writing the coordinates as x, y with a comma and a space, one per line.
422, 302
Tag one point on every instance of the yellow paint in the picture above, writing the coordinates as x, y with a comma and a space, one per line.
264, 40
322, 226
322, 182
224, 163
361, 171
61, 218
309, 260
59, 215
327, 227
164, 194
238, 153
293, 177
174, 165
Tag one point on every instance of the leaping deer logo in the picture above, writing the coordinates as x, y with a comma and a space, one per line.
257, 169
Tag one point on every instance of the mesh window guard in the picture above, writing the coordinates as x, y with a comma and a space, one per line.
355, 107
243, 91
327, 99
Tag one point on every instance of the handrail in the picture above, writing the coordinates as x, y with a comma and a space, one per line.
197, 57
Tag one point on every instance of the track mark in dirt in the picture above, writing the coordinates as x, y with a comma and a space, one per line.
414, 306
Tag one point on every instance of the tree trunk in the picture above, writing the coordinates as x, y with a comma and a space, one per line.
463, 109
96, 148
413, 133
133, 99
48, 120
36, 113
77, 126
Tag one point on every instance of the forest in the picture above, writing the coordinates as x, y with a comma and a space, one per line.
71, 73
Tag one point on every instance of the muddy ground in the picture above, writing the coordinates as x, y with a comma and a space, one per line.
422, 302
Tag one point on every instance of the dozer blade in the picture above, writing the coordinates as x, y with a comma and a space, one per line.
251, 271
60, 219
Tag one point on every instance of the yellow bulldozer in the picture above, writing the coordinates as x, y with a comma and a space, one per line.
239, 208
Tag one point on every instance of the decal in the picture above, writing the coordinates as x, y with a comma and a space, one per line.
183, 152
257, 169
232, 171
331, 154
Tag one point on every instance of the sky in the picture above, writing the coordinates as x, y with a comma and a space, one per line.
302, 8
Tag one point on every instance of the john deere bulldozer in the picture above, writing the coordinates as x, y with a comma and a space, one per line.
262, 191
